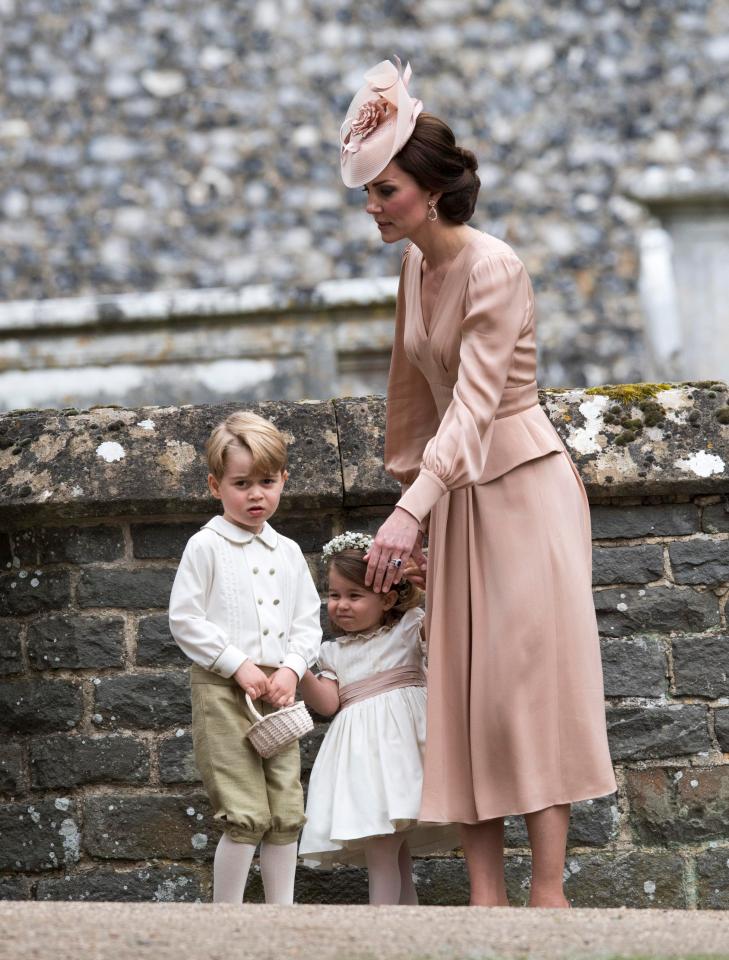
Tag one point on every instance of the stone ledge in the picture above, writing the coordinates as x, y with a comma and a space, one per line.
167, 931
627, 441
162, 306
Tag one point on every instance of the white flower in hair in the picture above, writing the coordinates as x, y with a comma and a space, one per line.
346, 541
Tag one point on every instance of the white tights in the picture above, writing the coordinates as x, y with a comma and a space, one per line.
390, 870
233, 861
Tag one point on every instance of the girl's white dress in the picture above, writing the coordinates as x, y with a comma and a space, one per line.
368, 775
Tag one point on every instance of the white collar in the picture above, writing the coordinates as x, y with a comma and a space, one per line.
365, 635
236, 534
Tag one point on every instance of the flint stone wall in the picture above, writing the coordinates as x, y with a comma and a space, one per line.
99, 796
176, 145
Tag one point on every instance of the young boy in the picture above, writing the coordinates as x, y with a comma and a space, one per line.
246, 612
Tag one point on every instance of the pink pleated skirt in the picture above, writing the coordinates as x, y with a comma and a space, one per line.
516, 714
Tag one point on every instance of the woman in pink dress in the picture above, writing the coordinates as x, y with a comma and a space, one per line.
516, 721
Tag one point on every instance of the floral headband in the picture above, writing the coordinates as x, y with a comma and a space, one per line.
346, 541
355, 541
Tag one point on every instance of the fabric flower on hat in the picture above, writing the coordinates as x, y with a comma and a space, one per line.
369, 116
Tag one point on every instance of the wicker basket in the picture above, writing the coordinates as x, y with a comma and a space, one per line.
272, 733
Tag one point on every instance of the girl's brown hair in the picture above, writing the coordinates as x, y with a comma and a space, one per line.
351, 566
437, 163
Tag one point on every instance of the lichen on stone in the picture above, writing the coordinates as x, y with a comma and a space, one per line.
629, 394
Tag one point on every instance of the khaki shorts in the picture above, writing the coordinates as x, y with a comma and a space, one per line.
256, 799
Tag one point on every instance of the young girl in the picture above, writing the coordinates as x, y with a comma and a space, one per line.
364, 790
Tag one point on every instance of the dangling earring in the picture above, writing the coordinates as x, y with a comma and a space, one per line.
432, 214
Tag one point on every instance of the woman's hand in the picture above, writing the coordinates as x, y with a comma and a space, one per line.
398, 538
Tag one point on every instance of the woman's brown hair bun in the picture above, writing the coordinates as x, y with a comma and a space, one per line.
432, 157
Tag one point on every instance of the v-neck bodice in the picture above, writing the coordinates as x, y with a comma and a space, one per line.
462, 394
452, 268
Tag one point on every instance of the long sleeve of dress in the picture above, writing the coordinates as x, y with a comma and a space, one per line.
412, 418
497, 306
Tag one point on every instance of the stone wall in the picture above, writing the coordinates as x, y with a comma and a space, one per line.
198, 346
173, 145
99, 794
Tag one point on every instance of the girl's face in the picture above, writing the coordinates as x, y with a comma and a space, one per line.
398, 203
355, 609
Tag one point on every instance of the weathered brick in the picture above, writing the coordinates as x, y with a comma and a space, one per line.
136, 827
662, 520
593, 823
145, 700
72, 761
162, 884
668, 805
69, 544
655, 610
517, 871
639, 733
442, 881
30, 591
11, 768
11, 658
155, 644
345, 885
38, 836
632, 879
6, 554
120, 587
311, 533
715, 518
14, 888
701, 665
639, 564
721, 726
700, 561
712, 879
39, 706
160, 541
177, 760
70, 642
309, 746
633, 667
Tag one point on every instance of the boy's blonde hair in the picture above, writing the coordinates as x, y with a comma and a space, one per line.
244, 429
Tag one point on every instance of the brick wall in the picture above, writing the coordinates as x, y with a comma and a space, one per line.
99, 797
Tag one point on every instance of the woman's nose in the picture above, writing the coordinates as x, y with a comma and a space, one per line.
372, 206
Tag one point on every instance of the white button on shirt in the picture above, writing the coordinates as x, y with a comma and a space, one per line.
222, 611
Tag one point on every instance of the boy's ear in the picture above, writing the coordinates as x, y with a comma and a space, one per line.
389, 600
214, 486
284, 475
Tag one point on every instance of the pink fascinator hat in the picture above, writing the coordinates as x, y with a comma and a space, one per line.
378, 124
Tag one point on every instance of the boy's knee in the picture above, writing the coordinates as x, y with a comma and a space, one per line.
246, 834
282, 837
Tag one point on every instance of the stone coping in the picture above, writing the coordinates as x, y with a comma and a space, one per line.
175, 931
245, 303
632, 440
661, 186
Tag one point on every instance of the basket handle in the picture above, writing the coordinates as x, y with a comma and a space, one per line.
256, 714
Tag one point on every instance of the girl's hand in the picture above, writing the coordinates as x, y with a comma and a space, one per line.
252, 679
398, 537
282, 687
416, 571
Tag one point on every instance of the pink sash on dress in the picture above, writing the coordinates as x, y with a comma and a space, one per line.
380, 683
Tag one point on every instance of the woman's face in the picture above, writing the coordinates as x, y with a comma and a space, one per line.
397, 202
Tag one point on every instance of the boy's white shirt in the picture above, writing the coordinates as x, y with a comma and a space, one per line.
239, 595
